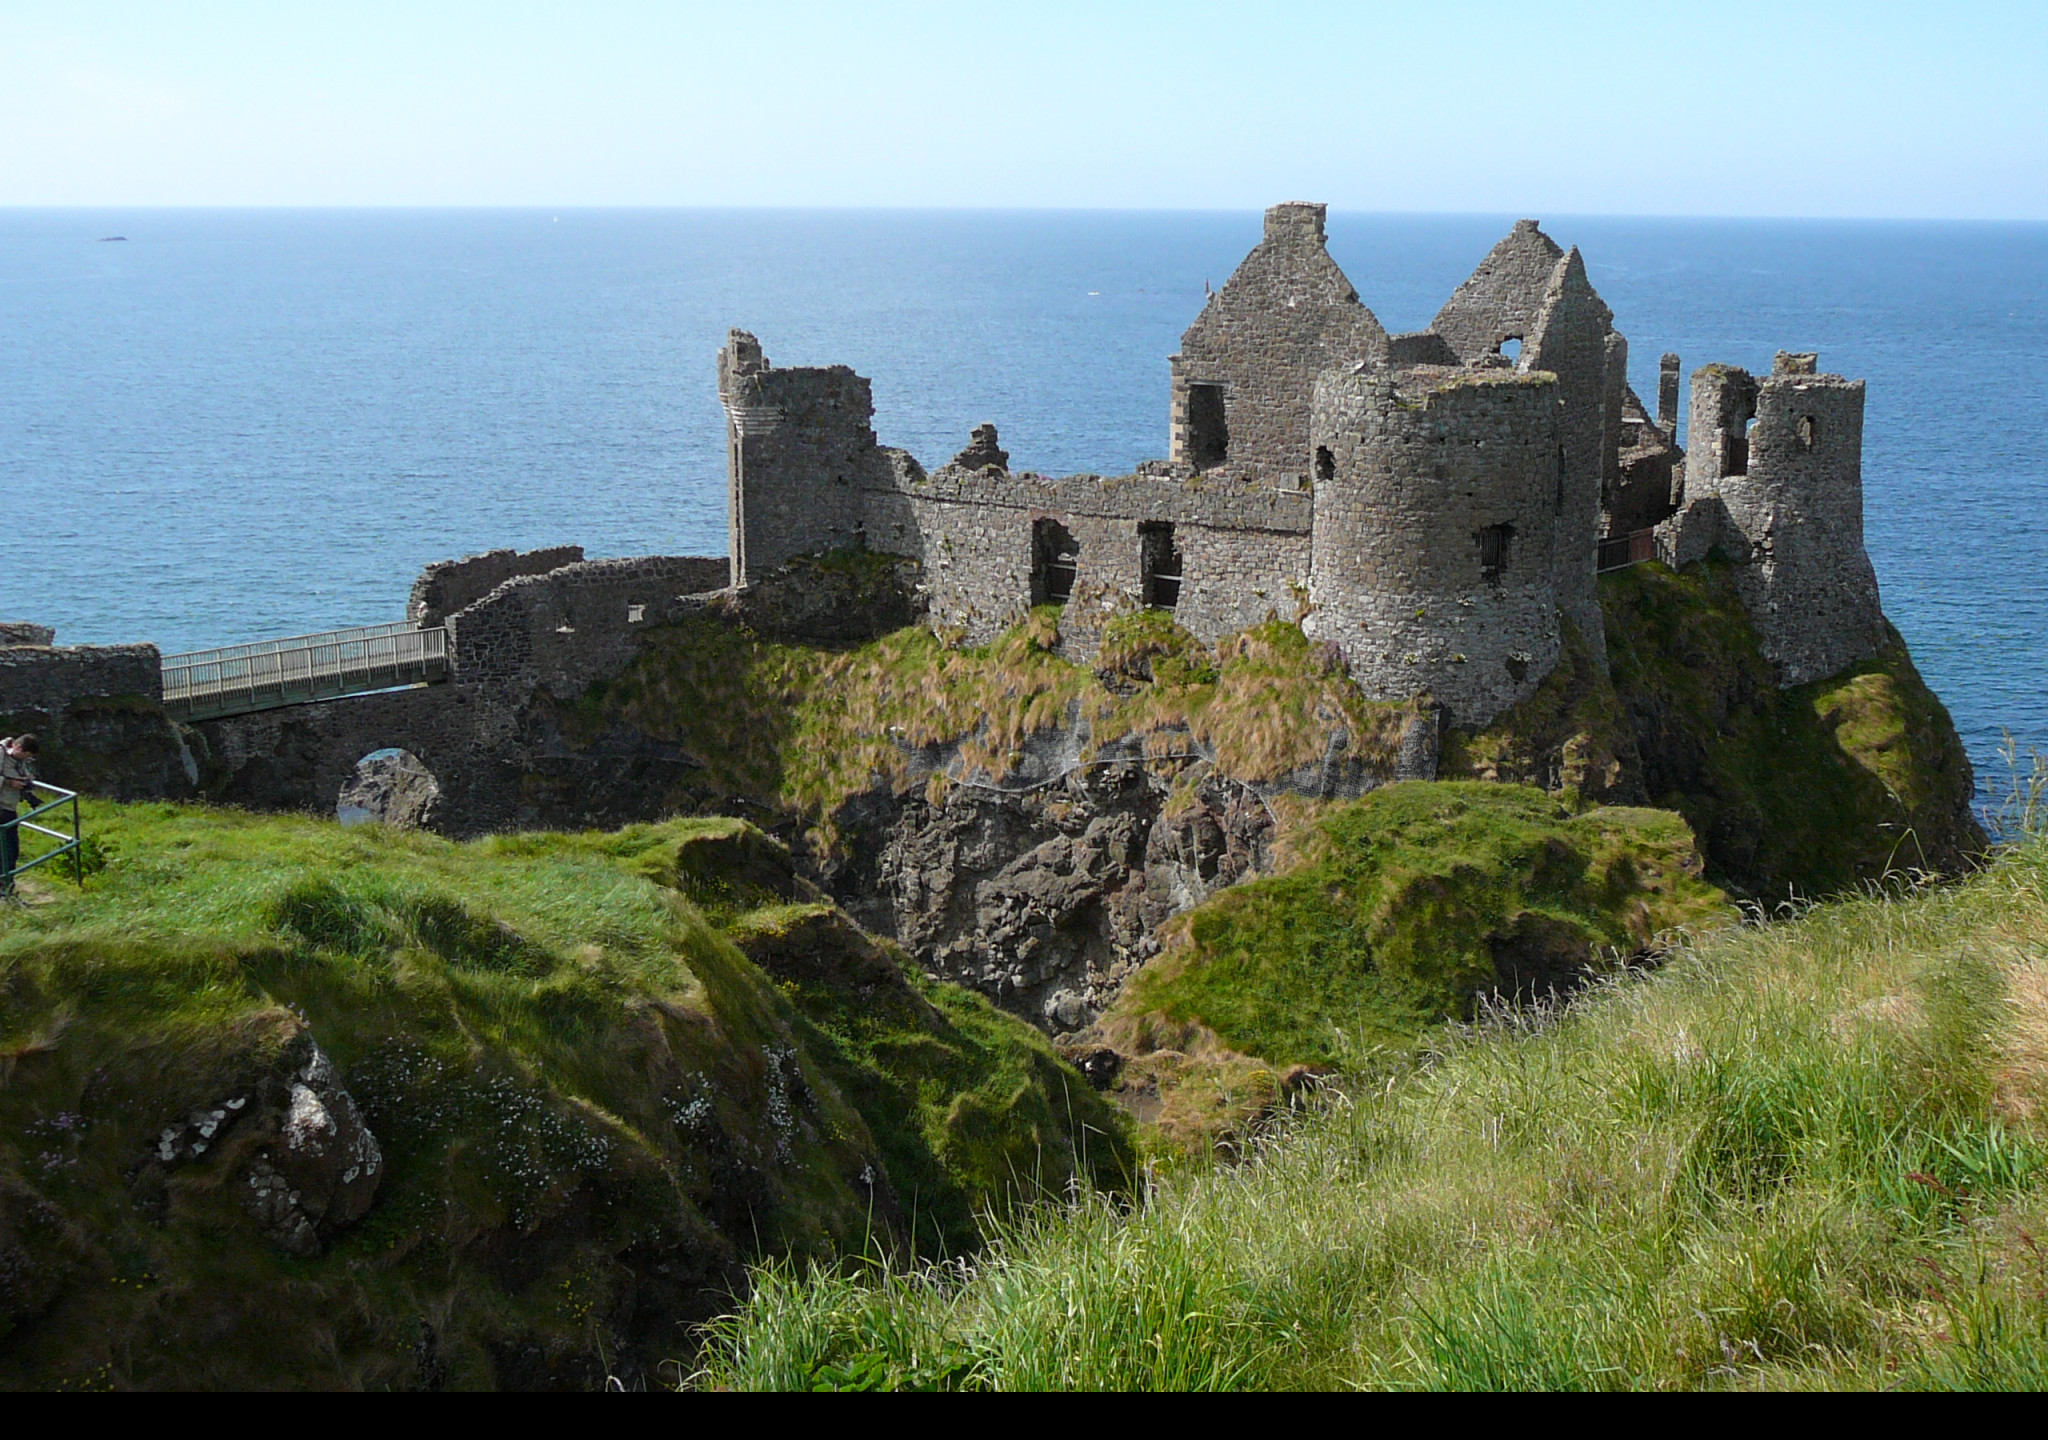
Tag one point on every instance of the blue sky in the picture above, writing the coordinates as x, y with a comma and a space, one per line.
1734, 108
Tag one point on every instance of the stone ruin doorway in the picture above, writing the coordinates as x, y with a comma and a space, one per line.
1161, 565
1055, 560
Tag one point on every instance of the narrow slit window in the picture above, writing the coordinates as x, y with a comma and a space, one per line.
1208, 429
1161, 564
1326, 464
1493, 551
1055, 558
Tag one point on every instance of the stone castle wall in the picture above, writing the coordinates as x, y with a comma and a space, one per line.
1243, 549
562, 630
98, 712
1573, 340
44, 679
451, 585
1792, 514
1434, 567
801, 450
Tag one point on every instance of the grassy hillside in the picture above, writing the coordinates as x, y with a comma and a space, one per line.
592, 1107
806, 729
1814, 789
1811, 790
1809, 1154
1414, 905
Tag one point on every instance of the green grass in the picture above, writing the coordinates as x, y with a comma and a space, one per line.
1409, 904
1812, 790
593, 1106
804, 730
1803, 1155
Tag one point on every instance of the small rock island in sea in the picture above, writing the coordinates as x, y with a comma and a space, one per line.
895, 866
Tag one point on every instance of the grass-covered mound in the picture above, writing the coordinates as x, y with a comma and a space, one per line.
1811, 790
1810, 1154
1405, 906
590, 1108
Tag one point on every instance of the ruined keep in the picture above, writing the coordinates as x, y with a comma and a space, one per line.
1432, 505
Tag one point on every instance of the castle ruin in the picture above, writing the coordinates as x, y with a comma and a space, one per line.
1433, 505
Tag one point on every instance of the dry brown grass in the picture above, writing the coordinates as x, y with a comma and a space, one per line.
2020, 1077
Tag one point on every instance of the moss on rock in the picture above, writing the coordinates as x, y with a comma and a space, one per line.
1409, 904
972, 1109
1813, 789
592, 1109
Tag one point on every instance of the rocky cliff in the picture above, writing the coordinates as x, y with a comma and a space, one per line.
1026, 825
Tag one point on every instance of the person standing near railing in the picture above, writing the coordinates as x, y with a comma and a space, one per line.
17, 784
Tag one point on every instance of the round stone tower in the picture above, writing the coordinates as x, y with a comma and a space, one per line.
1437, 493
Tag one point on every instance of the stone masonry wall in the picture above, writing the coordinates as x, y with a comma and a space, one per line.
39, 678
801, 449
1426, 463
1808, 585
1286, 315
98, 712
564, 629
1504, 298
1572, 341
1244, 549
449, 585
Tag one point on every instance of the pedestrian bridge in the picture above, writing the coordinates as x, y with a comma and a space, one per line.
237, 679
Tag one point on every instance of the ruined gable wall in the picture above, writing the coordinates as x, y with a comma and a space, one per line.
1571, 340
448, 585
1504, 298
1425, 461
1286, 315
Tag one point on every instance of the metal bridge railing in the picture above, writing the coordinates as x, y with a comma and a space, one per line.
67, 844
206, 684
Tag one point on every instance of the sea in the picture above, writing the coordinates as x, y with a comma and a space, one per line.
219, 426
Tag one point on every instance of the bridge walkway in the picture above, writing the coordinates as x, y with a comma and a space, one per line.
238, 679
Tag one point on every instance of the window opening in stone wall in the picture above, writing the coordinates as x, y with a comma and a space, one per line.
1493, 550
1161, 565
1511, 347
1326, 464
1808, 431
1560, 479
1208, 431
1735, 451
1055, 556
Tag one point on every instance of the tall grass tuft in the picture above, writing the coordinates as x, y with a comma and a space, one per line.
1806, 1153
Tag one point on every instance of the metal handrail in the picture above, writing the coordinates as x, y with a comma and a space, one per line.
203, 684
295, 642
73, 843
